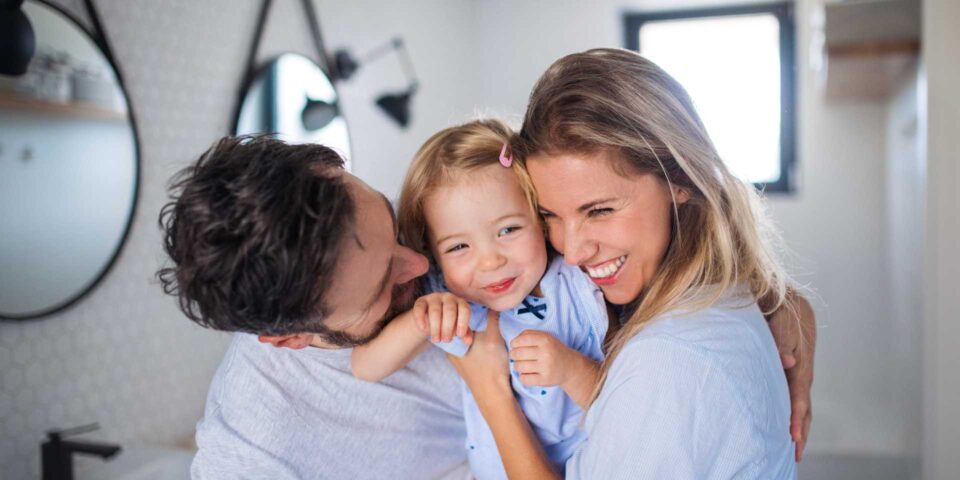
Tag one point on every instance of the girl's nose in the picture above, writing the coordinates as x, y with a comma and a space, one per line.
491, 260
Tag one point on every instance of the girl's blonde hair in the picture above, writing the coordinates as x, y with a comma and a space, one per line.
615, 101
446, 157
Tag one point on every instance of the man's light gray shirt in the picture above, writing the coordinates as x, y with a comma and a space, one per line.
276, 413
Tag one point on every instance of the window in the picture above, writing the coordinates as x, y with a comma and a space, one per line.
737, 63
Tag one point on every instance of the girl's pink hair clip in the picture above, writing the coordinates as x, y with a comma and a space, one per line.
504, 159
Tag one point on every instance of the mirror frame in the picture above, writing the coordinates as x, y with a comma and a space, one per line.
253, 70
251, 77
100, 41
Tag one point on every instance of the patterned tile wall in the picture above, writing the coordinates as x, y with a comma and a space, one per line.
124, 355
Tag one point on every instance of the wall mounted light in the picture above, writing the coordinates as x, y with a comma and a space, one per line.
316, 113
17, 40
396, 105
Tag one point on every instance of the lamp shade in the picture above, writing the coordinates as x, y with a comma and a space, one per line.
318, 114
17, 41
397, 106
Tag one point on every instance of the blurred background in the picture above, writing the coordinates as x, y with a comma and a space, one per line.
845, 112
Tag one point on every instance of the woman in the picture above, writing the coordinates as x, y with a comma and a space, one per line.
633, 191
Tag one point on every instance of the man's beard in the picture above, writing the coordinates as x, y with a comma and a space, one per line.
403, 297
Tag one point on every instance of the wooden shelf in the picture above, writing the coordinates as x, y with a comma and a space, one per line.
80, 111
869, 47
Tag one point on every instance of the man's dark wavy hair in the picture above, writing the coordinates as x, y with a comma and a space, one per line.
254, 230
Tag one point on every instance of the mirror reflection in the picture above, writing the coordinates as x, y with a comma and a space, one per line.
294, 99
68, 169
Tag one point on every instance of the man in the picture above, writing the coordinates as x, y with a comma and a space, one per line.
279, 243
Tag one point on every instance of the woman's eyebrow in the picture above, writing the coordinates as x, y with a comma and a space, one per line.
583, 208
587, 206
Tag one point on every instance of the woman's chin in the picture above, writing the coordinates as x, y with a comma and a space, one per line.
618, 294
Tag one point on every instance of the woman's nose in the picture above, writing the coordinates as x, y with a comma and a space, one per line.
413, 265
577, 247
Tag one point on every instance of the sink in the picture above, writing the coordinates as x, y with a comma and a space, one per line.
137, 462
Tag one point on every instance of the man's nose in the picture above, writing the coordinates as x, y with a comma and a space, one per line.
413, 265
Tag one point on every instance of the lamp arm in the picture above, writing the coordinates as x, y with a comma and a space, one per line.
407, 65
381, 50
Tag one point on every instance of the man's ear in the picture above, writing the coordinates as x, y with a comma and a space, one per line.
295, 342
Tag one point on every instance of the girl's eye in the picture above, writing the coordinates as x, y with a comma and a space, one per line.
456, 248
508, 230
599, 212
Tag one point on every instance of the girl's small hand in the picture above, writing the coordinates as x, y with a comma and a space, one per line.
541, 359
443, 315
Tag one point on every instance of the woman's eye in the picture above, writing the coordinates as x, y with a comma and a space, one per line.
546, 215
599, 212
456, 248
508, 230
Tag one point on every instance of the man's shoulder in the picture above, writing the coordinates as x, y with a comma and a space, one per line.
303, 410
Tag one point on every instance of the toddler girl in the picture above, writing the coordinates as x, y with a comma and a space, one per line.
467, 208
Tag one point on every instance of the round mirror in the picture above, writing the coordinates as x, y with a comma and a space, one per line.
292, 98
68, 169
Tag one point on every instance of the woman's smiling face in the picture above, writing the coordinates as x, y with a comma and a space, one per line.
616, 227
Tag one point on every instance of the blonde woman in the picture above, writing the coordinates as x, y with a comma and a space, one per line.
633, 191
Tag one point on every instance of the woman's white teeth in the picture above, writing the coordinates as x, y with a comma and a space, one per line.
608, 269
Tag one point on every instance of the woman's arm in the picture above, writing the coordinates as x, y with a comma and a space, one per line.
485, 371
794, 328
399, 343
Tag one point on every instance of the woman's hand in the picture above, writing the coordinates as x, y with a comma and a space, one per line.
485, 370
795, 331
484, 367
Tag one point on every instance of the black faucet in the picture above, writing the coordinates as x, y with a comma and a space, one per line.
57, 453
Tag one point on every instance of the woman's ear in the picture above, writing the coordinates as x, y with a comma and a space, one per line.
680, 194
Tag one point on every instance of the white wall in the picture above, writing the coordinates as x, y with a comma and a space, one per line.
835, 222
940, 120
905, 183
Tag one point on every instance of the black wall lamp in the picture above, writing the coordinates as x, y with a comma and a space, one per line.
395, 105
317, 113
17, 38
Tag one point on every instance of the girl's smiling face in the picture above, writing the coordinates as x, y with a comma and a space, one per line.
484, 238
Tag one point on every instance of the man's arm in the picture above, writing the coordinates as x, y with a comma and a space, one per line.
794, 328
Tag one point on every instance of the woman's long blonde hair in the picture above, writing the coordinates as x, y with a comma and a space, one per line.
444, 157
619, 102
